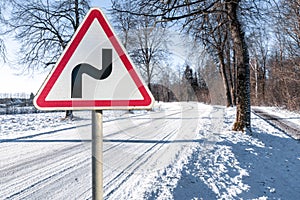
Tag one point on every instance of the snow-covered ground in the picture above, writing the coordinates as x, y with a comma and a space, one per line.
178, 151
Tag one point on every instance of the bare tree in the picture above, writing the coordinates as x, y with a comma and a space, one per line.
125, 23
145, 40
189, 11
44, 28
259, 50
179, 86
283, 63
288, 21
150, 51
213, 81
243, 115
213, 32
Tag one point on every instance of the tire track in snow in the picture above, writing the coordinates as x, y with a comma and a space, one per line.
123, 176
27, 181
133, 127
135, 165
41, 134
24, 176
11, 169
17, 180
142, 159
43, 182
164, 184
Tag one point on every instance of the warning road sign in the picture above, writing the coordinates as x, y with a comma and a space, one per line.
94, 73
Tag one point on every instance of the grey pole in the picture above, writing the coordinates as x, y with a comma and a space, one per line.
97, 155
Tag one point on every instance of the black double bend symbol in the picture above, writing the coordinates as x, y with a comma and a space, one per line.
84, 68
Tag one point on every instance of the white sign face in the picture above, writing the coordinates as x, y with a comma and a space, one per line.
94, 72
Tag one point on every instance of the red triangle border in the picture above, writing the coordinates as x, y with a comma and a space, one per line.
40, 100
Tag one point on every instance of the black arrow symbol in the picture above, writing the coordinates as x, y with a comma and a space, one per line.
84, 68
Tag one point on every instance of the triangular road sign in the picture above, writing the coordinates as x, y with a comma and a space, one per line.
94, 73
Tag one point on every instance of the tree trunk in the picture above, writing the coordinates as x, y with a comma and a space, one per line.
234, 78
225, 80
243, 120
264, 89
149, 86
230, 73
77, 15
255, 70
69, 114
264, 81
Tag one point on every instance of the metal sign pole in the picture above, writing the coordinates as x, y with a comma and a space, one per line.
97, 155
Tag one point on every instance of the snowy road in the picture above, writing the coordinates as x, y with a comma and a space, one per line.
178, 151
285, 125
137, 148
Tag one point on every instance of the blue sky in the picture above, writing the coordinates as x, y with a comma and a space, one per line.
10, 82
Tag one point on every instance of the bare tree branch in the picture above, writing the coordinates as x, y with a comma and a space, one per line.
43, 29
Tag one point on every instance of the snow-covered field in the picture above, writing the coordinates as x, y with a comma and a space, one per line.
178, 151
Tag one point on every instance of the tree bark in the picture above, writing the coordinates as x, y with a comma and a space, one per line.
234, 76
225, 80
243, 120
